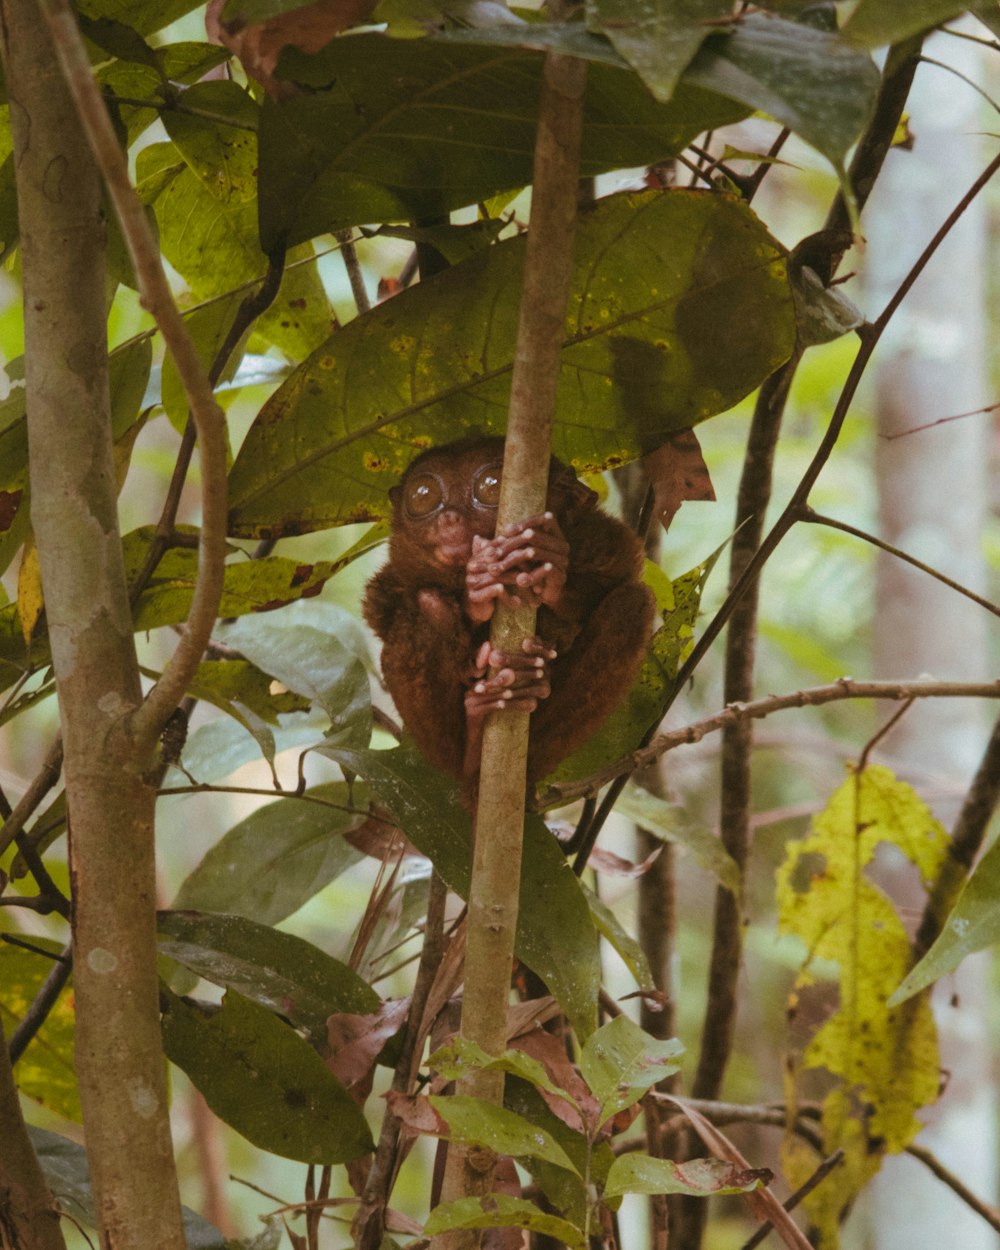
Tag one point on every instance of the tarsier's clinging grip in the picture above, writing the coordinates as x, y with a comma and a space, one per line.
432, 602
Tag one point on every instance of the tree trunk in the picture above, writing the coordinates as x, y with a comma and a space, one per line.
120, 1064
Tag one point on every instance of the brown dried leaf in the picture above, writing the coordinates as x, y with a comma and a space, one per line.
678, 472
613, 865
308, 28
356, 1041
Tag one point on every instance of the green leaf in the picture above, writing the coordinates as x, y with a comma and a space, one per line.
620, 1062
235, 684
385, 129
263, 1080
315, 664
144, 16
502, 1211
46, 1070
677, 603
481, 1123
636, 1173
67, 1172
273, 969
629, 951
180, 62
250, 585
205, 200
876, 22
809, 80
973, 925
659, 38
823, 313
276, 859
680, 305
219, 748
458, 1057
666, 821
555, 937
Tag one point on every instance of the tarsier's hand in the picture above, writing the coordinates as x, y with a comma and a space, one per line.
525, 564
521, 680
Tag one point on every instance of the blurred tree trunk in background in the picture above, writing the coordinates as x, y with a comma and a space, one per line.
933, 498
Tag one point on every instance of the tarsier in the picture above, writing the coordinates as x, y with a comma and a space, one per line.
448, 568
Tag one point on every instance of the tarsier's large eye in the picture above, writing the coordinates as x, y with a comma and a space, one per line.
486, 485
423, 495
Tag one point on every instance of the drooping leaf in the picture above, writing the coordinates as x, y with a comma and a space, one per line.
237, 684
480, 1123
555, 937
203, 189
265, 1081
810, 80
276, 859
620, 1062
636, 1173
658, 39
621, 941
973, 925
67, 1171
46, 1070
662, 818
875, 22
313, 663
680, 305
180, 63
273, 969
884, 1059
458, 1057
502, 1211
387, 129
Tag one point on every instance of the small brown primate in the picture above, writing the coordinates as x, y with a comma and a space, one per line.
432, 602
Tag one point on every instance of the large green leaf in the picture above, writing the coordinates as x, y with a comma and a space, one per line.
400, 130
679, 306
658, 38
481, 1123
662, 818
555, 936
67, 1171
203, 189
276, 859
973, 925
265, 1081
811, 80
875, 22
276, 970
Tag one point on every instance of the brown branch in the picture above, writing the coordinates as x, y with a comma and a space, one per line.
370, 1221
42, 1004
930, 425
989, 1213
149, 719
816, 518
966, 840
41, 784
814, 696
803, 1191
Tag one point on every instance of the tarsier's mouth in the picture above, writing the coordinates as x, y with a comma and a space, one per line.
452, 554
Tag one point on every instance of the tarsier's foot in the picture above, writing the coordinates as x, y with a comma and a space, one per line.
519, 682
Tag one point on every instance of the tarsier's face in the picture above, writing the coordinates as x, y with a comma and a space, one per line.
450, 495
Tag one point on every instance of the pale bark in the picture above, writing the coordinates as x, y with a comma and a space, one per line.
120, 1064
933, 504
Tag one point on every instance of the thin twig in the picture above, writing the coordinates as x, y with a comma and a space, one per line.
41, 784
352, 264
803, 1191
929, 425
989, 1213
42, 1004
880, 733
845, 688
817, 518
150, 718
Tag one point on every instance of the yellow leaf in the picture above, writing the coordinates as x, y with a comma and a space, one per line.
885, 1061
30, 603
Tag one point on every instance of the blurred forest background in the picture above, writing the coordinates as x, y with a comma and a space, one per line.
831, 605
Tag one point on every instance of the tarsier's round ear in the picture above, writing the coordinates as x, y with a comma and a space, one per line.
567, 494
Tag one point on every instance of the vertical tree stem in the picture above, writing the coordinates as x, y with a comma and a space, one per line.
493, 901
119, 1056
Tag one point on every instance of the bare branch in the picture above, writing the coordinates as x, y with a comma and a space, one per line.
845, 688
150, 718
